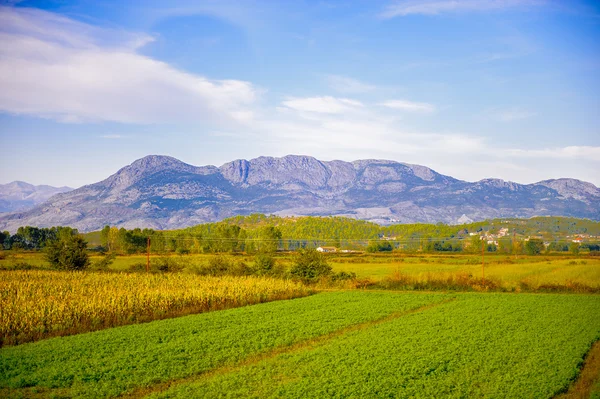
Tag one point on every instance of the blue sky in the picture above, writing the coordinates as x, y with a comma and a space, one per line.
474, 89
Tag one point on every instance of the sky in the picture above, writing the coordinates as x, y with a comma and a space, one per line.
473, 89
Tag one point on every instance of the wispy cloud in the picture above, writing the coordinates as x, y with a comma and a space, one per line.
409, 106
435, 7
344, 84
322, 105
57, 68
590, 153
112, 136
509, 115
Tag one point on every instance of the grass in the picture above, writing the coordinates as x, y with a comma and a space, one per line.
510, 273
112, 362
481, 345
36, 304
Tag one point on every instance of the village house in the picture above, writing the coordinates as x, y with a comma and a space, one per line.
327, 249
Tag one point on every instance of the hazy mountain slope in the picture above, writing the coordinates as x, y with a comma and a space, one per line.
19, 196
162, 192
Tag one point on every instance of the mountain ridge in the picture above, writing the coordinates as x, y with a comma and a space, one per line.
19, 195
163, 192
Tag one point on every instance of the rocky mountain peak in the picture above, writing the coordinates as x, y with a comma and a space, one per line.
163, 192
572, 188
144, 167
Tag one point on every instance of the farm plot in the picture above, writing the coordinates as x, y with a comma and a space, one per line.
481, 345
35, 304
111, 362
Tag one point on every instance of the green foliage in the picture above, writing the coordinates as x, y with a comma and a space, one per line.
574, 248
264, 264
34, 238
103, 263
4, 237
68, 252
310, 265
534, 246
259, 233
379, 246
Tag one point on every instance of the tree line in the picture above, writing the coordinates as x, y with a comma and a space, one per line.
260, 233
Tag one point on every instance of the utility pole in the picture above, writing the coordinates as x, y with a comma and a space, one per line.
515, 242
148, 255
483, 260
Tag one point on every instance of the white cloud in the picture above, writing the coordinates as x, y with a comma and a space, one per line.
509, 115
112, 136
57, 68
322, 105
435, 7
589, 153
344, 84
409, 106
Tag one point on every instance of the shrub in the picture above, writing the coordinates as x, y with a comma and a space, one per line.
264, 264
310, 265
68, 252
166, 264
104, 262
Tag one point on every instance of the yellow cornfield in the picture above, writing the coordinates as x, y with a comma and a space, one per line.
38, 304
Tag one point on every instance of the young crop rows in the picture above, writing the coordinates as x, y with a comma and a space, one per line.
339, 344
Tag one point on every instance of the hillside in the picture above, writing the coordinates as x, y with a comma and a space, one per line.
164, 193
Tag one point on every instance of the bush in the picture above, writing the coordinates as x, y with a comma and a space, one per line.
264, 264
166, 264
379, 247
534, 246
18, 266
68, 252
104, 262
310, 265
343, 276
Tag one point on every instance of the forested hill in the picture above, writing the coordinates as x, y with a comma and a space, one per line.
342, 227
257, 232
247, 233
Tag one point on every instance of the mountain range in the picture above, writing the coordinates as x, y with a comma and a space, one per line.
20, 196
162, 192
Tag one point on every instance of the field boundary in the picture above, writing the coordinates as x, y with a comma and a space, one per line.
296, 347
588, 376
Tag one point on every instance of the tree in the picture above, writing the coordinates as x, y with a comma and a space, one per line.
269, 237
68, 252
534, 246
263, 263
574, 248
378, 246
309, 265
4, 239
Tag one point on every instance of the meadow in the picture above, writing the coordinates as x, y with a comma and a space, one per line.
332, 344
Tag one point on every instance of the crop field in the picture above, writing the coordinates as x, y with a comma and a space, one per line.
509, 272
335, 344
36, 304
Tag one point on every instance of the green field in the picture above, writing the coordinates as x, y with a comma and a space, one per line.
340, 344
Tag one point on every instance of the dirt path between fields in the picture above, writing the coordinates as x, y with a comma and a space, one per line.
589, 376
297, 347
